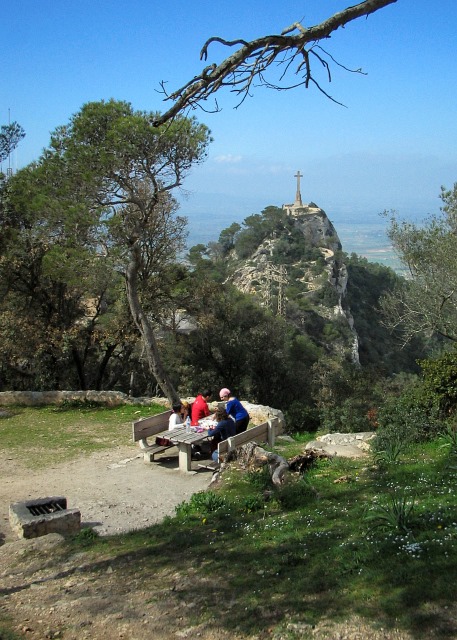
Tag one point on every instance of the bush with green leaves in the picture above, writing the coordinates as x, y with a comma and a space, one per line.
318, 266
85, 404
202, 503
300, 416
440, 381
86, 537
250, 504
327, 295
344, 395
449, 436
350, 416
411, 418
388, 447
260, 478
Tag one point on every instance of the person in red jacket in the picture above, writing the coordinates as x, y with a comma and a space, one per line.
200, 407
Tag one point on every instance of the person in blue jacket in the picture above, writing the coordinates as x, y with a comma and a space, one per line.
235, 410
225, 428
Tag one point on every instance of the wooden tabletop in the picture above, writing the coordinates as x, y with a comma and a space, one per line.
181, 435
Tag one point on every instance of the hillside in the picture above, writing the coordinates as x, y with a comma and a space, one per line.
291, 261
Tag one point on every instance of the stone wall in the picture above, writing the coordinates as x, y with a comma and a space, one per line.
259, 413
42, 398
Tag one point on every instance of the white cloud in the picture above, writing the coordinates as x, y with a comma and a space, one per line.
228, 158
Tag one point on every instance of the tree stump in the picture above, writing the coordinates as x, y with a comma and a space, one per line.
250, 455
304, 461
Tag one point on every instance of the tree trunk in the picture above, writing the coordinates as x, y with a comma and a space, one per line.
102, 367
144, 326
80, 369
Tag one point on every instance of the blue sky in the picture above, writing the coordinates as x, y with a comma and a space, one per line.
391, 147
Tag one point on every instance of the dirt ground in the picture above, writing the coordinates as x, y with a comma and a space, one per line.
43, 595
114, 490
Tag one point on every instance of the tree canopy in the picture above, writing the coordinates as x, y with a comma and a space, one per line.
99, 199
10, 136
426, 302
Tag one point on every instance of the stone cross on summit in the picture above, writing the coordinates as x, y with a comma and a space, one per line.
298, 202
297, 208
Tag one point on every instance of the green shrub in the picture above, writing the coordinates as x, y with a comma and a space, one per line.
86, 537
301, 417
450, 438
440, 381
69, 405
410, 417
252, 503
319, 266
388, 446
327, 295
349, 417
260, 479
202, 503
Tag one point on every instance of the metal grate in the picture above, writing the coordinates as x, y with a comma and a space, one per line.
46, 508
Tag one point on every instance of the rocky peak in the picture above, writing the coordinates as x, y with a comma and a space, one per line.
299, 261
315, 226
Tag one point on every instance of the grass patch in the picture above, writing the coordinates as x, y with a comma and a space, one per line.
59, 433
314, 556
6, 633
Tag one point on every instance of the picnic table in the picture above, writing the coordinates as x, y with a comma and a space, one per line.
184, 439
157, 426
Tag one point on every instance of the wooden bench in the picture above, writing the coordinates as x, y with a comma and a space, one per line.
265, 432
144, 428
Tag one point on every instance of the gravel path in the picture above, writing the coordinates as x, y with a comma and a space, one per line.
114, 489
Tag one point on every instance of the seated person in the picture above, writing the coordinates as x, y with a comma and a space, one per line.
175, 419
235, 410
186, 409
225, 428
200, 407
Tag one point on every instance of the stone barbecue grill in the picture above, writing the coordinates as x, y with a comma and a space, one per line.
47, 507
34, 518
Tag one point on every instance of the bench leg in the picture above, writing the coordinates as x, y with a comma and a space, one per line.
272, 431
185, 456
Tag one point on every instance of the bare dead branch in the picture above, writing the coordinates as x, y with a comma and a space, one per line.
227, 43
295, 26
249, 62
338, 64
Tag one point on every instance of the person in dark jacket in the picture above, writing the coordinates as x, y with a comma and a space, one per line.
225, 428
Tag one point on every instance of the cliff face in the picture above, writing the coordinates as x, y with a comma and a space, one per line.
297, 271
315, 226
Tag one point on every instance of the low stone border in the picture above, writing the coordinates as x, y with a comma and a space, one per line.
41, 398
259, 413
